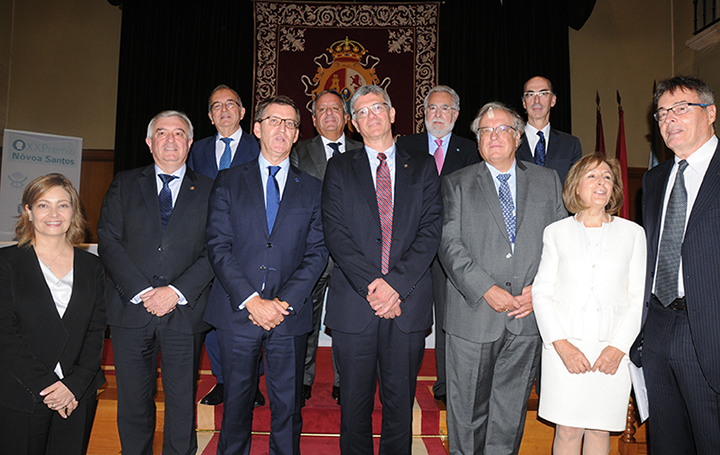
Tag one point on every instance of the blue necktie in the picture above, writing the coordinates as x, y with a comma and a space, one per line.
165, 199
226, 157
336, 148
540, 150
666, 281
508, 207
272, 190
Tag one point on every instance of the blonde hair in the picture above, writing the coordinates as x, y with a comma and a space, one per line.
578, 171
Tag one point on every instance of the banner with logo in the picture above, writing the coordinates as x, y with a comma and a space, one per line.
303, 48
27, 156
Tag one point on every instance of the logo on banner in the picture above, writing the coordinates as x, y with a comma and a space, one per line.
348, 67
17, 180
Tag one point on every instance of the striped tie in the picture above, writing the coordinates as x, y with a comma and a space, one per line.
385, 207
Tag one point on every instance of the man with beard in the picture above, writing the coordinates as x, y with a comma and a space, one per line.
541, 144
451, 152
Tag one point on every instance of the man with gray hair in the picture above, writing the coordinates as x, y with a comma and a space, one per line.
451, 152
382, 218
493, 221
152, 242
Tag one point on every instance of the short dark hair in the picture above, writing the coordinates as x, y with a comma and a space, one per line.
331, 92
684, 83
279, 99
223, 87
579, 169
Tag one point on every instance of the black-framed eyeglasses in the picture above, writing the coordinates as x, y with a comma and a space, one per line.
277, 121
229, 105
678, 109
376, 109
502, 130
542, 94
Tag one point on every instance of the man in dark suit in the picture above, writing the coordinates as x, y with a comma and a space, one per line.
681, 346
230, 147
541, 144
265, 243
451, 152
382, 219
311, 155
152, 242
493, 221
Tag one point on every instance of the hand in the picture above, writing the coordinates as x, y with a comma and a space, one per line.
383, 299
609, 360
525, 302
160, 301
574, 360
59, 398
267, 314
500, 300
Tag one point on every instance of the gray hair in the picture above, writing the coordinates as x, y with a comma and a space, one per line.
165, 114
446, 89
367, 90
518, 122
684, 83
223, 87
331, 92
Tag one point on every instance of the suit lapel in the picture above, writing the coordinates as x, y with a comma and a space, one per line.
522, 190
148, 188
361, 166
289, 195
489, 192
251, 177
401, 198
317, 155
708, 192
184, 199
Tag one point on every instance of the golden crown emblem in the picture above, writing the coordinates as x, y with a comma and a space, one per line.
347, 49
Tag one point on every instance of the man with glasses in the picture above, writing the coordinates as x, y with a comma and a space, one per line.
451, 152
680, 339
265, 244
311, 155
541, 144
382, 220
493, 221
231, 146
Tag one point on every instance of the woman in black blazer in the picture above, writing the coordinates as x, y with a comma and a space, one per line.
52, 324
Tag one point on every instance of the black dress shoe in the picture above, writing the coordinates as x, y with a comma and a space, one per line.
214, 397
442, 398
336, 394
306, 394
259, 399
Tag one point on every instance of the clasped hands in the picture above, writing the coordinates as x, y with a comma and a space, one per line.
59, 398
502, 301
576, 362
160, 301
267, 314
383, 299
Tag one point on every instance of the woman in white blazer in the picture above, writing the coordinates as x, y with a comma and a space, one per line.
587, 298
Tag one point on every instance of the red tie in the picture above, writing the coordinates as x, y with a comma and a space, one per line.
383, 192
439, 155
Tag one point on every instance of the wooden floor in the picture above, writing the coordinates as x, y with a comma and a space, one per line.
105, 441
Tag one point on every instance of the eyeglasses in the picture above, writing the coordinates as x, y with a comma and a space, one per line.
678, 109
444, 109
375, 109
502, 130
230, 105
277, 121
542, 94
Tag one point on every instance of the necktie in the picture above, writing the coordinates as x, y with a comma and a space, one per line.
508, 207
272, 190
165, 199
439, 155
383, 192
226, 157
540, 150
666, 281
336, 148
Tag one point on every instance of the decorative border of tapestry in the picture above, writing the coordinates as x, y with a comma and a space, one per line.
303, 48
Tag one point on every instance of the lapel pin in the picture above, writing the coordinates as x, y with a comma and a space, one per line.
192, 188
509, 255
405, 165
297, 179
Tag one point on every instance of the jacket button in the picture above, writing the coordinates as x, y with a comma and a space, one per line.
155, 277
508, 284
379, 240
262, 267
269, 245
160, 248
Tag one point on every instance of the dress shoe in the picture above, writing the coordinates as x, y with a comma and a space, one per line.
214, 397
442, 398
336, 394
306, 394
259, 399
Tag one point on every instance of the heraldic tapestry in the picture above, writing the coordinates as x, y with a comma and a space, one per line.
303, 48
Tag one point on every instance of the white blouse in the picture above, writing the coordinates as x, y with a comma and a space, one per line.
61, 290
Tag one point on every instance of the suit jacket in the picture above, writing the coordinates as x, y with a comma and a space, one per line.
352, 232
476, 253
562, 151
568, 277
138, 254
285, 263
461, 152
700, 259
202, 155
309, 155
33, 336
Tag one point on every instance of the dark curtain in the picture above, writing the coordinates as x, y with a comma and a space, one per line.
172, 54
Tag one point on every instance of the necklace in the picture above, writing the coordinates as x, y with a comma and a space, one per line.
53, 261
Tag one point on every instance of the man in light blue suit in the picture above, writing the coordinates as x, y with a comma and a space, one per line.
265, 242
